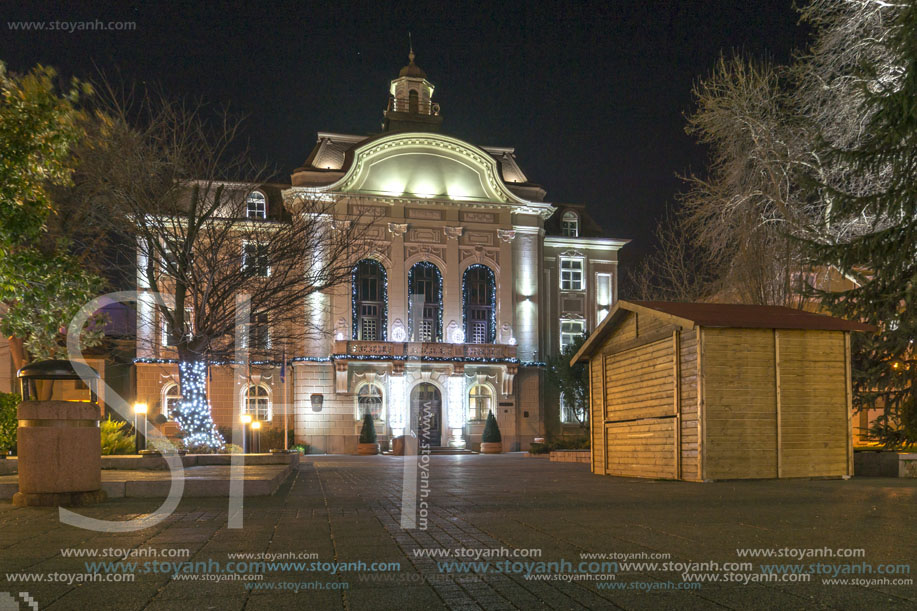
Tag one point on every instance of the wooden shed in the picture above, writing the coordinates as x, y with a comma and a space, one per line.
702, 391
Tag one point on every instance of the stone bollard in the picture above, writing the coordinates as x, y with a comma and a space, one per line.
59, 442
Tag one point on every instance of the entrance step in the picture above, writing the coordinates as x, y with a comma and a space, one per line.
443, 451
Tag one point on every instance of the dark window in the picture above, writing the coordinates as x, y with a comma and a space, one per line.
256, 205
479, 290
413, 102
425, 296
255, 259
369, 301
259, 334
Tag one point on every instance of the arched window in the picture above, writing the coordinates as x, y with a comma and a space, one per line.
258, 402
479, 290
425, 303
413, 102
369, 301
567, 411
570, 225
369, 401
480, 402
256, 205
171, 400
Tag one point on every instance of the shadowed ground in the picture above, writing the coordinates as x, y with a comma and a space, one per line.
347, 510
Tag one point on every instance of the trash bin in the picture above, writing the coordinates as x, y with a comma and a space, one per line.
59, 442
398, 446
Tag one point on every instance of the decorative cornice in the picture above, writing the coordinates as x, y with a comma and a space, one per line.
453, 232
398, 229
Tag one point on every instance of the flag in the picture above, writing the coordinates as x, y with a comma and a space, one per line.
283, 367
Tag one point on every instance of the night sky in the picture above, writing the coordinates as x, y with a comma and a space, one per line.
592, 95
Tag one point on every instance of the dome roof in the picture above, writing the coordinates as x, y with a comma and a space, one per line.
412, 69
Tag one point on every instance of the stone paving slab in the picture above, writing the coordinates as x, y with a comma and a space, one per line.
205, 481
348, 510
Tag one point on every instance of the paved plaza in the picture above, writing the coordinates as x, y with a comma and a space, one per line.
338, 515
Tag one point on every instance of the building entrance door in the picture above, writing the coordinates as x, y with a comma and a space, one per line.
426, 414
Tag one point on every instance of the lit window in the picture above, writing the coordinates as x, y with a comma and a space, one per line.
167, 339
256, 205
258, 402
567, 411
603, 296
369, 401
171, 400
570, 225
255, 260
570, 330
259, 333
480, 402
571, 274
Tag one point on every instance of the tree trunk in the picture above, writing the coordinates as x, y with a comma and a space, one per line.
17, 352
194, 415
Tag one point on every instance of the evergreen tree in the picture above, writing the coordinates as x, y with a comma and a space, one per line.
491, 432
571, 381
882, 255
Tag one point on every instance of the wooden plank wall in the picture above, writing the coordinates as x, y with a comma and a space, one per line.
740, 403
597, 414
640, 389
813, 403
642, 448
690, 464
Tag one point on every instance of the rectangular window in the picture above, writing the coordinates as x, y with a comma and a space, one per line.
167, 329
259, 333
255, 260
603, 296
570, 330
571, 274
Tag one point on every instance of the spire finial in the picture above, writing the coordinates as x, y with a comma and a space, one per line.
411, 47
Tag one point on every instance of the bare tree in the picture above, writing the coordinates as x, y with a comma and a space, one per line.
212, 267
677, 270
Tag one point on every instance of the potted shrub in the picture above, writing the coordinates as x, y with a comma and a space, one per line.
491, 441
368, 444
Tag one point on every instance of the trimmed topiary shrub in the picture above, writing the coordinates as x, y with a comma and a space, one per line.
491, 430
368, 432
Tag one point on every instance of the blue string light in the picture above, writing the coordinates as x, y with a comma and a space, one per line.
491, 278
354, 298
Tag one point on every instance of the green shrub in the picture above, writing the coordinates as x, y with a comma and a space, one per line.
560, 443
303, 448
491, 430
115, 439
368, 432
230, 448
272, 438
164, 446
8, 422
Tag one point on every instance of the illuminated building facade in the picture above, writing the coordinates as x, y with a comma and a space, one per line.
474, 281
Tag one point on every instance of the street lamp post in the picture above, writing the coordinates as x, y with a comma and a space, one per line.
256, 426
246, 419
140, 409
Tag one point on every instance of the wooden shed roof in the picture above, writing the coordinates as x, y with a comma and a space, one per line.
723, 315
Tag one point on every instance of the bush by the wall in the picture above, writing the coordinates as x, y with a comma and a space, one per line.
115, 439
560, 443
9, 401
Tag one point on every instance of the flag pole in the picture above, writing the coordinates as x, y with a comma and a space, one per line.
283, 380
